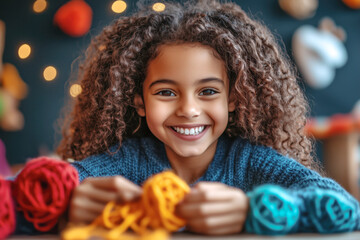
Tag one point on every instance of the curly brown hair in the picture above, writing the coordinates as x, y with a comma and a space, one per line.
271, 108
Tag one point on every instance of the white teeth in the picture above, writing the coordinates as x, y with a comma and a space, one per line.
189, 131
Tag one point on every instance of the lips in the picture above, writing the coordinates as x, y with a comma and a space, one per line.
189, 131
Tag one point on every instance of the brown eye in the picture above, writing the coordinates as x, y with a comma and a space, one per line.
166, 93
207, 92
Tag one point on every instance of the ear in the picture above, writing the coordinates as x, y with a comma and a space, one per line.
139, 105
231, 104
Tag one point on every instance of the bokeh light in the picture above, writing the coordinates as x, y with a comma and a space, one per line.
24, 51
118, 6
158, 7
49, 73
39, 6
75, 90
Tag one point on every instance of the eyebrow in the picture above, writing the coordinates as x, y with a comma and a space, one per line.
202, 81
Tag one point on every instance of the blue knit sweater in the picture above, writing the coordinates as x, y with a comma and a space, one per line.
236, 163
301, 201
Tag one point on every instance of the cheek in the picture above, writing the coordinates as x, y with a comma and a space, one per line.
156, 114
219, 113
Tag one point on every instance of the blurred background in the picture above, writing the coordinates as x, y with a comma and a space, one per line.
41, 40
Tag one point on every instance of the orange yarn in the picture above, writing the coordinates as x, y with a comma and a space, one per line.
154, 211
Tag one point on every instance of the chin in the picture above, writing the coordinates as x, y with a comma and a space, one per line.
188, 154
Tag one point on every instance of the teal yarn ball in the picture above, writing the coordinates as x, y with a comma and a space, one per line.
330, 212
273, 211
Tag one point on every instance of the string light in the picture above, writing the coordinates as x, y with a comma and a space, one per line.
158, 7
75, 90
39, 6
49, 73
118, 6
24, 51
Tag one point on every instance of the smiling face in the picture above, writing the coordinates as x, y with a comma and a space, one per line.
186, 100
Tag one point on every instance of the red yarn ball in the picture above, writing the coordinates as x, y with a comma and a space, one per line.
7, 211
42, 191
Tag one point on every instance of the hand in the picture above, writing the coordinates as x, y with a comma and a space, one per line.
214, 208
91, 196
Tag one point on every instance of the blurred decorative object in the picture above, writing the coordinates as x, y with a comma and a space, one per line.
355, 4
12, 90
356, 109
11, 119
74, 18
319, 51
324, 127
299, 9
340, 137
12, 82
5, 169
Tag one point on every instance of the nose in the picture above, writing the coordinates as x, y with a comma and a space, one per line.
188, 107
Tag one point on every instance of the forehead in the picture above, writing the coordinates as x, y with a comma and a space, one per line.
186, 61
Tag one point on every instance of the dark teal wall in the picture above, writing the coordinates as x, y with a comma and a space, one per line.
50, 46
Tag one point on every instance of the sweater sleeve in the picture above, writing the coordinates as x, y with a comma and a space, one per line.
270, 167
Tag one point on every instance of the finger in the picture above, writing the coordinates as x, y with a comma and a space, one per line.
82, 216
220, 194
209, 185
231, 229
195, 210
125, 189
124, 184
209, 224
96, 194
88, 205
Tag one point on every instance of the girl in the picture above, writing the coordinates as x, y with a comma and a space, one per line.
202, 89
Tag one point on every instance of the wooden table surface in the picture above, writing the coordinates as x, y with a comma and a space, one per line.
187, 236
